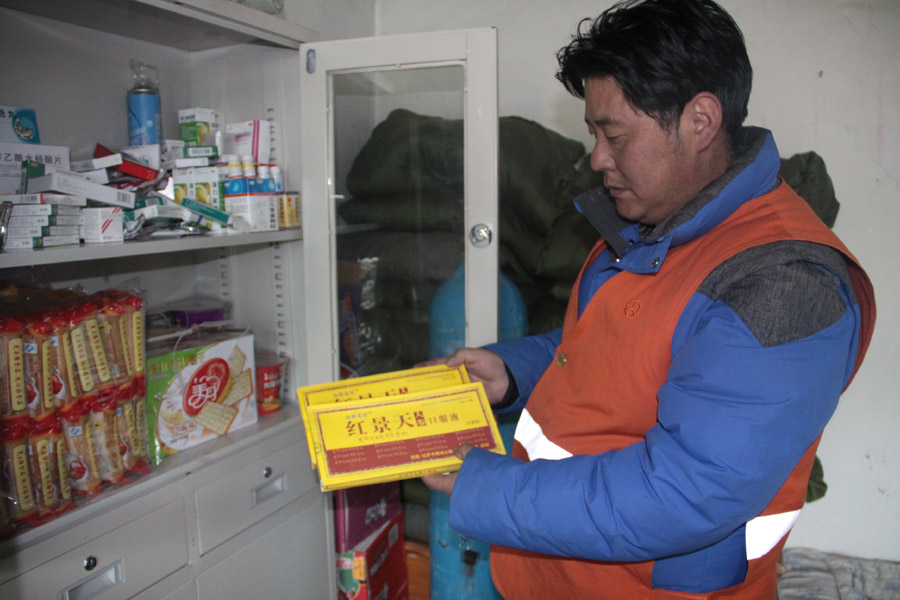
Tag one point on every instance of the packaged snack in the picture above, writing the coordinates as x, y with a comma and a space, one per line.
139, 444
197, 389
134, 329
13, 401
80, 458
125, 426
92, 368
38, 354
16, 477
111, 327
105, 435
52, 494
62, 371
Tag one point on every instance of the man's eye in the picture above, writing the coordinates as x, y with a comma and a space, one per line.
612, 139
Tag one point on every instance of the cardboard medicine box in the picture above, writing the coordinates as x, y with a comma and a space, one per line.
198, 388
197, 126
206, 185
103, 224
19, 125
376, 568
361, 511
250, 138
12, 155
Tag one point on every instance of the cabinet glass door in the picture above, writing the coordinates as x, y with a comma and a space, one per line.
399, 195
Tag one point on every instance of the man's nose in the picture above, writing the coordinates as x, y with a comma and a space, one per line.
601, 158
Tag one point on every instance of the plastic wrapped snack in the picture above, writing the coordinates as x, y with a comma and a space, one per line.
13, 401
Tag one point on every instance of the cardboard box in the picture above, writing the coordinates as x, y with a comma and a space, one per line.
66, 199
19, 125
249, 138
12, 156
206, 185
361, 511
197, 126
41, 231
29, 210
198, 388
100, 225
400, 437
376, 568
378, 386
253, 213
73, 183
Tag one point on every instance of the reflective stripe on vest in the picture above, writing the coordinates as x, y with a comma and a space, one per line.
761, 533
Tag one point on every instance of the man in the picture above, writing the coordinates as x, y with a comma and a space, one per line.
670, 426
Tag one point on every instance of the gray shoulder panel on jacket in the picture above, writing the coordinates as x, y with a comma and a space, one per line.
783, 291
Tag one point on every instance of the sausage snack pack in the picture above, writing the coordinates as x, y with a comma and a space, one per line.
199, 386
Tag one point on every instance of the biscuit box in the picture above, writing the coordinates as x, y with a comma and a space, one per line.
198, 388
376, 568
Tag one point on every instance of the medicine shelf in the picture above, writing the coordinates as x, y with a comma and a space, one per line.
186, 24
69, 254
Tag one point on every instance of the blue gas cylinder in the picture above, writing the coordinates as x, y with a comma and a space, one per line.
460, 566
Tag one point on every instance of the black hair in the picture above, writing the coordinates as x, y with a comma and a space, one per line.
663, 53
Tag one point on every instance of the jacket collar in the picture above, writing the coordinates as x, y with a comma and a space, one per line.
753, 173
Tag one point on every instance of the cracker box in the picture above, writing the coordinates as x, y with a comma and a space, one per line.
376, 568
198, 388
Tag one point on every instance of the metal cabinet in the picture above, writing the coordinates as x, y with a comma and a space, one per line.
225, 514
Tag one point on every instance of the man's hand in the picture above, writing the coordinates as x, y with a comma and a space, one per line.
445, 483
482, 365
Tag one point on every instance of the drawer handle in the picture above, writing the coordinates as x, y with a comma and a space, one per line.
97, 584
267, 490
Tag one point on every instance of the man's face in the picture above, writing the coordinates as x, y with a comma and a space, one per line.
648, 170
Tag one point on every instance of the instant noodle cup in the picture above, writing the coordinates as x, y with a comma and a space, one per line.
80, 458
13, 401
17, 471
270, 372
38, 351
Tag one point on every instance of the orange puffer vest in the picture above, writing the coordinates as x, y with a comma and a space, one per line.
637, 314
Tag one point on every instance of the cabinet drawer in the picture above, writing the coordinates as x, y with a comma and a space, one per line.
122, 562
228, 506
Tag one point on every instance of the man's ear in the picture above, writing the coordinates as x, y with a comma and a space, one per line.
703, 118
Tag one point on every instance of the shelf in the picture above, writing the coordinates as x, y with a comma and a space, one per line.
68, 254
185, 24
278, 429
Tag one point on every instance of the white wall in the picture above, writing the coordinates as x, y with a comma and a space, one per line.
825, 80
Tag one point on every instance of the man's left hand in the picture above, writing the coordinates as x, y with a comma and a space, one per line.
445, 482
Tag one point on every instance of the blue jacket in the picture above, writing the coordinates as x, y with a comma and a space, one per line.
737, 302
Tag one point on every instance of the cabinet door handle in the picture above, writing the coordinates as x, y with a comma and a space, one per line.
97, 584
270, 489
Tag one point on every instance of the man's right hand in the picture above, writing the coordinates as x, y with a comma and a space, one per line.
482, 365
